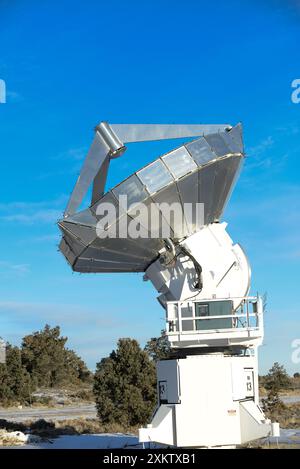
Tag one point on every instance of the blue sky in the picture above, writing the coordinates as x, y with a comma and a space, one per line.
67, 66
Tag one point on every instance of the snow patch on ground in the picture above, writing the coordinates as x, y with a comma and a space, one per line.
287, 436
123, 441
95, 441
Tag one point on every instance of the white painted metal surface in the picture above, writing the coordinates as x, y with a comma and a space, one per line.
225, 269
275, 429
213, 407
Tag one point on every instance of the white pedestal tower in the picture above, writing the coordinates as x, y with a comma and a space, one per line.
208, 390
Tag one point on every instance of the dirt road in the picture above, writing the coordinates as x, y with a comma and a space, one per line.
52, 413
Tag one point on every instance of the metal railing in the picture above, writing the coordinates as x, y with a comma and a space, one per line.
247, 317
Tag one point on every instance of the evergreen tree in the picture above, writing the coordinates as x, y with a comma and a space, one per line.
277, 378
6, 394
274, 381
15, 381
158, 348
43, 361
49, 362
43, 356
125, 385
76, 369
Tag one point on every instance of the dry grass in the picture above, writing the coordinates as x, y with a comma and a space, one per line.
90, 425
67, 395
293, 390
288, 416
52, 429
280, 446
51, 397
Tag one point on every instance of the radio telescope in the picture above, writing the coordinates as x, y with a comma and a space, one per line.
164, 220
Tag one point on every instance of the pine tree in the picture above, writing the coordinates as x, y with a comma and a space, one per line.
277, 378
43, 356
15, 381
158, 348
76, 369
125, 385
49, 362
274, 381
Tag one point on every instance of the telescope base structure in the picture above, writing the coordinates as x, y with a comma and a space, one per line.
207, 400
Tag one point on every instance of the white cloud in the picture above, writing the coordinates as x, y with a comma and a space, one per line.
59, 313
74, 155
33, 212
262, 157
289, 129
13, 96
259, 149
41, 216
8, 269
44, 238
33, 205
275, 212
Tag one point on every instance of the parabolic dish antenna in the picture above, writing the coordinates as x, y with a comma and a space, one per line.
207, 388
201, 171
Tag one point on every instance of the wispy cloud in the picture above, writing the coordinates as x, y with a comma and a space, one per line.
45, 238
62, 313
290, 129
42, 216
266, 158
275, 211
261, 156
30, 213
50, 239
13, 96
74, 157
26, 205
75, 154
9, 269
259, 149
